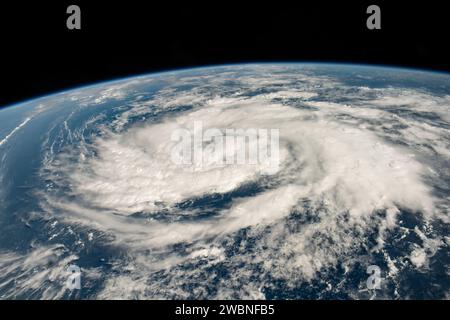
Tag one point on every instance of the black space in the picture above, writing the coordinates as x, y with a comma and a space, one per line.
39, 55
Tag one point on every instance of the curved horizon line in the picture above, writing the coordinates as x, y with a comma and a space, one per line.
211, 66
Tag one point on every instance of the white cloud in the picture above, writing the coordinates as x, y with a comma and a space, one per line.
339, 168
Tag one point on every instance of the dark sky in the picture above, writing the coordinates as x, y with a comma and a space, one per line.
120, 38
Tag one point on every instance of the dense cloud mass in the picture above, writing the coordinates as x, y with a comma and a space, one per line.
363, 179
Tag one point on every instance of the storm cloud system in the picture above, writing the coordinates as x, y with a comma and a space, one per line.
362, 180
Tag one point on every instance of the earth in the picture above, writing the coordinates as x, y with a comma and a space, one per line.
363, 183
